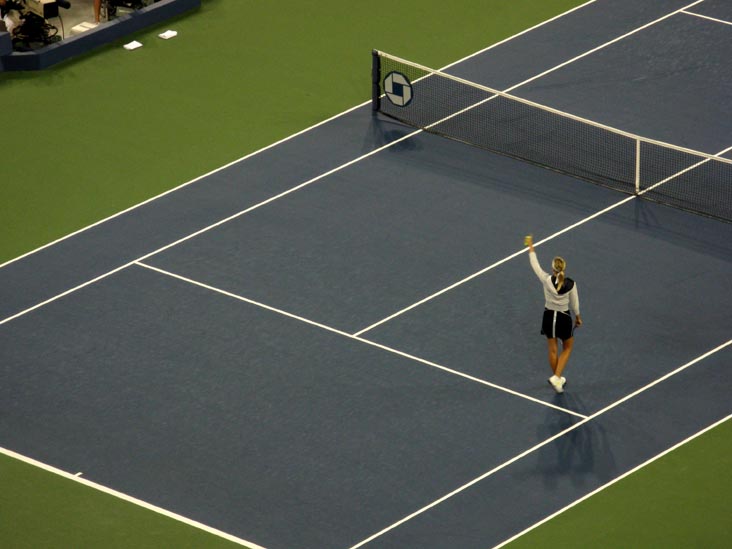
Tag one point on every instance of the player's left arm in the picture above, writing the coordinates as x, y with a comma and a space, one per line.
574, 305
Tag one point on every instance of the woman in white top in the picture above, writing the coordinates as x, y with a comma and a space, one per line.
560, 294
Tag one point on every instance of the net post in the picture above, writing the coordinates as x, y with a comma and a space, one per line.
375, 80
637, 165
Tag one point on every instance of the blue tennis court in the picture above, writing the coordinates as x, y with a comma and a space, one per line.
334, 342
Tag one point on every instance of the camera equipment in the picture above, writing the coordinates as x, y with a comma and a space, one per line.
42, 8
11, 5
126, 5
34, 30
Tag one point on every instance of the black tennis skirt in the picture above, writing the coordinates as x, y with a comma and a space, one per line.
557, 324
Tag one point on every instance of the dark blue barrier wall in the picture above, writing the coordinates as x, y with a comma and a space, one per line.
6, 45
101, 35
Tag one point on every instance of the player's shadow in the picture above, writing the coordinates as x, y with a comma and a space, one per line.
581, 456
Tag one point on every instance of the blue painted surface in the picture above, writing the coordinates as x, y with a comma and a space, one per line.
176, 215
291, 435
252, 422
585, 459
719, 9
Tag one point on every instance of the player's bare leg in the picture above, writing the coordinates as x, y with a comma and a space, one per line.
567, 345
553, 358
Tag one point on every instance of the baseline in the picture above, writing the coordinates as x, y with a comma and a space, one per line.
129, 499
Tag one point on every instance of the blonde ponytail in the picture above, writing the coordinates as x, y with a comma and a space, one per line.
558, 266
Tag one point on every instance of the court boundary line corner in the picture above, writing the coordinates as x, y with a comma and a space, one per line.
127, 498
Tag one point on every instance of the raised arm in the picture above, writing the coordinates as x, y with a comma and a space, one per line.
533, 259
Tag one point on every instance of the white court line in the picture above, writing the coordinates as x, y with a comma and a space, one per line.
311, 180
100, 487
621, 477
194, 234
127, 210
205, 229
517, 35
707, 17
540, 445
539, 243
493, 266
281, 141
589, 52
128, 498
346, 112
682, 172
349, 336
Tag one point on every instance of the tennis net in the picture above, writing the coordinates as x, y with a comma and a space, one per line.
464, 111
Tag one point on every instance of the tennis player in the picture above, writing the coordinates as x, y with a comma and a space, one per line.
560, 294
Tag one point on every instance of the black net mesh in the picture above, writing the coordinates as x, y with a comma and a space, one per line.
694, 182
507, 125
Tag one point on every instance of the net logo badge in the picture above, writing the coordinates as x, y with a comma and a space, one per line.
398, 89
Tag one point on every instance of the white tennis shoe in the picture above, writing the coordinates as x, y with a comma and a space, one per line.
557, 383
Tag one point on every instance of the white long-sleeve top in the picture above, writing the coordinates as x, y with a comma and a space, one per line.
555, 301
